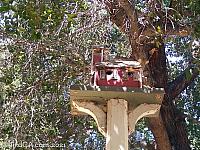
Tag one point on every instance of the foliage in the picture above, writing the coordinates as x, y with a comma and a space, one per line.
46, 48
38, 70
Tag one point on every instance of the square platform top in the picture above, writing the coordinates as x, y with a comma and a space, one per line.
101, 94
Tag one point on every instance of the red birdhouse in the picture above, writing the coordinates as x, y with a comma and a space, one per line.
108, 71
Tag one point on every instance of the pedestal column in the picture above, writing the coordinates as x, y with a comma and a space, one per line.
117, 125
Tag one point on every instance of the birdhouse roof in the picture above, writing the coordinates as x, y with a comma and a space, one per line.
119, 64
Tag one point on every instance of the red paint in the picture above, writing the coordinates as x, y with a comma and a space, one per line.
116, 78
114, 74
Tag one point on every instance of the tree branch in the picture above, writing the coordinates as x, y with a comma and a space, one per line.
182, 81
189, 117
129, 8
119, 11
86, 28
177, 30
117, 14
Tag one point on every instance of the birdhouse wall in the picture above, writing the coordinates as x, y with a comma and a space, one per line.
118, 77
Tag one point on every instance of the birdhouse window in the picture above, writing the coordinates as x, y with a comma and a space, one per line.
115, 74
109, 72
102, 74
136, 76
125, 75
130, 74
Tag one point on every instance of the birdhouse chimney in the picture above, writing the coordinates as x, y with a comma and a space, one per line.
99, 54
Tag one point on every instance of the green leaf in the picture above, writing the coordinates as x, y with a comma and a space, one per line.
4, 8
71, 17
188, 74
159, 29
167, 2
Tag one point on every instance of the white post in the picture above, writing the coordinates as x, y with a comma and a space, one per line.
117, 125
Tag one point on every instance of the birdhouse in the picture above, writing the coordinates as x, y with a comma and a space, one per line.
108, 71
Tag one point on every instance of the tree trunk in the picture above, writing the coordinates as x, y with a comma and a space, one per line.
169, 129
175, 125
